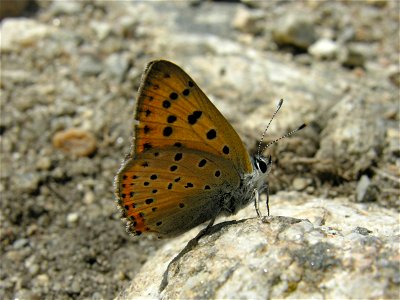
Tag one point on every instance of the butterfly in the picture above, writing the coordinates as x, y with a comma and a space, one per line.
187, 164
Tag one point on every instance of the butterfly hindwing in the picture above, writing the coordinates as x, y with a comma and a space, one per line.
173, 111
170, 191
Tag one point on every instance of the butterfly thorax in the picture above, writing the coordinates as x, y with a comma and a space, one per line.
250, 184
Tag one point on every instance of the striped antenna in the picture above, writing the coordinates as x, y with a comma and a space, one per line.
284, 136
265, 131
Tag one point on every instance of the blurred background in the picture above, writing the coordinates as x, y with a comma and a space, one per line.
70, 71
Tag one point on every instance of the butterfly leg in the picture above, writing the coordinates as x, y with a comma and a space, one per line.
257, 202
267, 202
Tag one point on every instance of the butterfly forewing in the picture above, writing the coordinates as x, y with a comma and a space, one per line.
172, 110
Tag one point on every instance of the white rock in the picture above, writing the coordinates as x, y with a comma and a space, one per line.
294, 30
249, 21
101, 29
21, 32
324, 49
72, 217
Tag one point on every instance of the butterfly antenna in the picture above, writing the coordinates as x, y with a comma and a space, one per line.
284, 136
265, 131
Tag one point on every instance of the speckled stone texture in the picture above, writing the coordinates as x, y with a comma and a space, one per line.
336, 250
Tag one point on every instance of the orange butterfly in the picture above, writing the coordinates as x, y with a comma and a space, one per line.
187, 164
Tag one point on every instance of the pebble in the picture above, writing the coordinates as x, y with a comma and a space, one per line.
393, 140
294, 30
21, 32
75, 141
366, 191
394, 75
88, 198
26, 182
16, 256
120, 276
24, 294
125, 25
89, 66
324, 49
117, 65
20, 243
362, 230
75, 287
43, 279
43, 163
300, 183
33, 269
352, 57
72, 217
249, 21
101, 29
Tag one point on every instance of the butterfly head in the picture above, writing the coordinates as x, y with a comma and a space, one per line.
261, 166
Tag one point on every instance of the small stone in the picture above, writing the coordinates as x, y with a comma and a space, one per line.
117, 65
88, 198
72, 217
362, 230
32, 229
20, 243
366, 191
120, 276
26, 182
101, 29
125, 25
352, 57
43, 163
26, 295
15, 256
393, 140
324, 49
89, 66
33, 269
352, 139
75, 287
294, 30
249, 21
304, 59
75, 141
17, 33
43, 279
394, 75
300, 184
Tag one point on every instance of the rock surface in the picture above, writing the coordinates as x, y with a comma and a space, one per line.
336, 249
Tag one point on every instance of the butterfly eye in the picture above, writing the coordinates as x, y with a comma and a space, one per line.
262, 165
